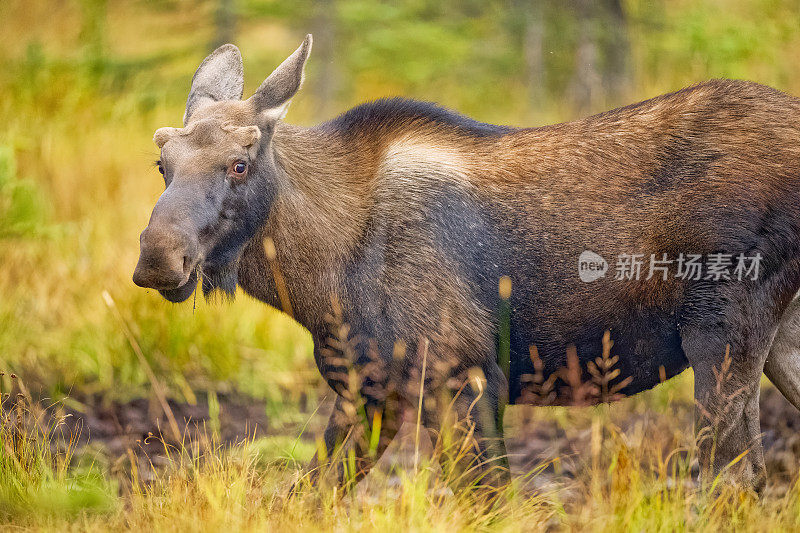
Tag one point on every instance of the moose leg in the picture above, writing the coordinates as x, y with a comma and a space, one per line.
727, 424
783, 362
726, 378
351, 446
470, 442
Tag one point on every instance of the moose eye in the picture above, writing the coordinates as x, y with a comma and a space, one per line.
160, 167
239, 168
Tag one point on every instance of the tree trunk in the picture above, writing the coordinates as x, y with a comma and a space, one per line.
326, 85
586, 86
617, 76
531, 17
225, 23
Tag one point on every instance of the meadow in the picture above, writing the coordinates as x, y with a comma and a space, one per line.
83, 85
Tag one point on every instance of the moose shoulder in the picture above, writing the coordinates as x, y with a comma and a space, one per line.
673, 223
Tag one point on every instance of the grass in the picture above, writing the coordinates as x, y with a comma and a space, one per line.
38, 475
81, 91
625, 483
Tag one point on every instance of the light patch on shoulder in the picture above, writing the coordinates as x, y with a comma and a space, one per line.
415, 155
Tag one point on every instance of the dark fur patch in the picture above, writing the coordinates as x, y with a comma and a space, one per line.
388, 113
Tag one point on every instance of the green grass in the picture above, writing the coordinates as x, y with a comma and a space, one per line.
38, 474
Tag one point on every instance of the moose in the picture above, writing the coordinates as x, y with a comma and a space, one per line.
403, 218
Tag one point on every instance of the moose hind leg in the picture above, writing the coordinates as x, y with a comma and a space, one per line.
727, 378
783, 362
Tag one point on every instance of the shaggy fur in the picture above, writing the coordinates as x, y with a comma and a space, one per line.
399, 218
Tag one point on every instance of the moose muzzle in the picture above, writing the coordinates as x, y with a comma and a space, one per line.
167, 259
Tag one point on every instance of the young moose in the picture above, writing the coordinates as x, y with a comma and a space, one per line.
400, 218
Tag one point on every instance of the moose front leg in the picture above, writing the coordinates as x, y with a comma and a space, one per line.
352, 443
470, 444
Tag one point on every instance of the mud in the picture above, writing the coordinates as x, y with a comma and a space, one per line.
119, 432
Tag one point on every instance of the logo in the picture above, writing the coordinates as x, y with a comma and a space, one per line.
715, 266
591, 266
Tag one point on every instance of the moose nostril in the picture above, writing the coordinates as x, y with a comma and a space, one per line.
187, 264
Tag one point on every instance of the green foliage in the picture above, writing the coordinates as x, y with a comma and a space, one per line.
22, 211
35, 473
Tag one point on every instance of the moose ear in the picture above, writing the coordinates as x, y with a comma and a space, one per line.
272, 98
219, 77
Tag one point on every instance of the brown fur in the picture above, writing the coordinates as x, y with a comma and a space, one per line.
593, 178
399, 219
597, 168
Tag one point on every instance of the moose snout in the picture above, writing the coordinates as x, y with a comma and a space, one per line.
168, 254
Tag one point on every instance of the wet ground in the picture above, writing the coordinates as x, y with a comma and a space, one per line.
120, 431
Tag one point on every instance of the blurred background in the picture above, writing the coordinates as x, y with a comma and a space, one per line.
84, 83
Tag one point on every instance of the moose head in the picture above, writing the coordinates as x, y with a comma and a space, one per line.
219, 173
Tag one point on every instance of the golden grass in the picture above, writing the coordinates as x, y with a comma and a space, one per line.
625, 483
81, 90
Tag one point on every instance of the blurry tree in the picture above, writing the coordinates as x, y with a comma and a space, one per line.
224, 23
576, 48
528, 21
323, 24
586, 85
602, 74
617, 78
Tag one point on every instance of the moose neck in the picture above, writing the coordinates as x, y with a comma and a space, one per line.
319, 215
323, 193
